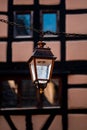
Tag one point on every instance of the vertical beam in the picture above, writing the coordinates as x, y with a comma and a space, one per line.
29, 122
62, 29
64, 103
36, 23
10, 31
63, 58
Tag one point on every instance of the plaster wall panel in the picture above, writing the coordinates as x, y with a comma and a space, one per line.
3, 51
75, 4
77, 122
76, 23
23, 2
19, 122
3, 5
3, 124
3, 27
76, 50
21, 51
77, 79
49, 2
55, 47
77, 98
37, 124
37, 121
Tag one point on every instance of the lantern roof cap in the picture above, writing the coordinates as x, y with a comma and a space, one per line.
42, 52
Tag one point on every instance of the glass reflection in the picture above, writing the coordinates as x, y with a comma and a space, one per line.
25, 21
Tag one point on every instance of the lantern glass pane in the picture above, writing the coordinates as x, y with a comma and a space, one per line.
43, 72
43, 67
32, 68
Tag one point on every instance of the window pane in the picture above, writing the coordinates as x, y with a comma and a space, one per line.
25, 21
49, 22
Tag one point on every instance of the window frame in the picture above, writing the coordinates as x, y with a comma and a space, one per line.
23, 97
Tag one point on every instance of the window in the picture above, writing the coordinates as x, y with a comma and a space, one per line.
23, 93
50, 23
24, 23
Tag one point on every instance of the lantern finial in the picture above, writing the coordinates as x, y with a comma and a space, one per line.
41, 44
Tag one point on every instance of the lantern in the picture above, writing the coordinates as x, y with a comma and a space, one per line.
41, 64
